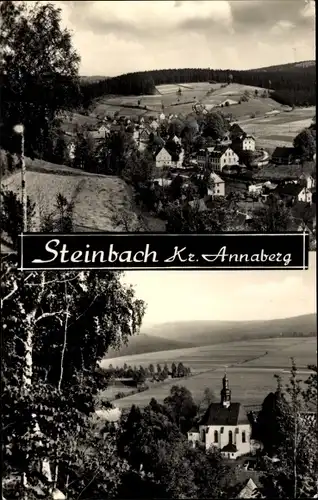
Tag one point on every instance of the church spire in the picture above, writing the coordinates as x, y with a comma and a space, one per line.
225, 392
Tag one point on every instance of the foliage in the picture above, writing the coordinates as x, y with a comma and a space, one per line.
181, 407
11, 216
56, 328
295, 474
39, 72
305, 144
274, 217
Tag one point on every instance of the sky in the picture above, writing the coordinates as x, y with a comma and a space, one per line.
115, 37
224, 295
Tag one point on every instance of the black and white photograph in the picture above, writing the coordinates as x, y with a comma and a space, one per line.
166, 116
159, 384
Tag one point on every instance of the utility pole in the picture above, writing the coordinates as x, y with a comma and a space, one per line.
19, 129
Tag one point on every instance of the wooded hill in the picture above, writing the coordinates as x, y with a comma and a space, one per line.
291, 84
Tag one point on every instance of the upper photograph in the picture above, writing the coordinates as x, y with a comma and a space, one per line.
157, 116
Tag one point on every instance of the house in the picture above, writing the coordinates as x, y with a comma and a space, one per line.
248, 143
236, 132
283, 155
163, 159
218, 185
154, 125
204, 156
71, 150
225, 426
144, 134
96, 135
250, 490
221, 157
227, 102
176, 140
103, 130
162, 116
255, 189
308, 181
293, 192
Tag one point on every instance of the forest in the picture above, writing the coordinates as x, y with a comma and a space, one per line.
294, 86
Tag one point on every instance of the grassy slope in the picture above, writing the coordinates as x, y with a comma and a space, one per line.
144, 343
101, 202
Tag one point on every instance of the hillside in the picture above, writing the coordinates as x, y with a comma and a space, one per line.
101, 203
183, 334
294, 85
289, 66
144, 343
209, 332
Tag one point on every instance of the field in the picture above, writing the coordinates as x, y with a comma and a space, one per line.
251, 366
204, 93
279, 130
101, 202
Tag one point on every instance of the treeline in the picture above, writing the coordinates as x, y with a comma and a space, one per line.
293, 86
142, 373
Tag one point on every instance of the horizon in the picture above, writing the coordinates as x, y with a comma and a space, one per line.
213, 69
112, 40
239, 296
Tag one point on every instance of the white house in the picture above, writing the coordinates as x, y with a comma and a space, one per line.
176, 140
218, 185
221, 157
225, 426
154, 125
248, 143
179, 162
305, 195
71, 150
103, 130
255, 188
162, 116
308, 180
163, 159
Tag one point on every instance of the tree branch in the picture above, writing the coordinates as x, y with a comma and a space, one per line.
49, 314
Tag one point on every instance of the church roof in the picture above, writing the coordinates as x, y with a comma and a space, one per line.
217, 414
250, 490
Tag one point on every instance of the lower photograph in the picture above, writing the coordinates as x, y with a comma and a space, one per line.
159, 384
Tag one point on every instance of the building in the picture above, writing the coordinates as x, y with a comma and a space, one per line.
163, 159
293, 192
283, 155
236, 132
217, 187
176, 140
221, 157
248, 143
103, 130
250, 490
154, 125
225, 426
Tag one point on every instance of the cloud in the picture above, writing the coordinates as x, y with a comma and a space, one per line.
114, 37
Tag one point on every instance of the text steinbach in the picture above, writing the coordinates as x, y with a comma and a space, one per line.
60, 254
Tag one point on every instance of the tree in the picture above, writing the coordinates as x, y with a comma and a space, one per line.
56, 328
181, 406
273, 217
151, 370
39, 71
216, 126
173, 370
207, 399
11, 216
295, 475
305, 144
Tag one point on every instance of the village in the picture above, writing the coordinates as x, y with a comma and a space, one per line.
207, 156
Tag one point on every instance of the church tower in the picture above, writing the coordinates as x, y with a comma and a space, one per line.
225, 392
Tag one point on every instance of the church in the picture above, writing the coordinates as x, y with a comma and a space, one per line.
224, 425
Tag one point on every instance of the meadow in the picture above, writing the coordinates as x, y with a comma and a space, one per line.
204, 93
251, 366
279, 130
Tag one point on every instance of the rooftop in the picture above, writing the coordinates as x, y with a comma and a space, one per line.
217, 414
